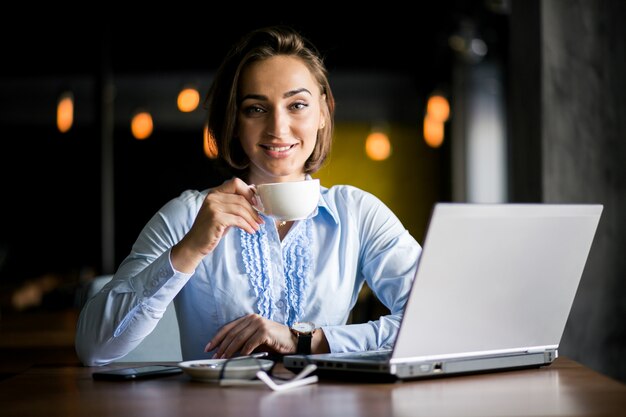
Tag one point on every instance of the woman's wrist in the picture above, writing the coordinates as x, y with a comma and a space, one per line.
319, 343
183, 259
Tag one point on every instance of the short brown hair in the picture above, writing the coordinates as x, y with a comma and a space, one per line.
221, 100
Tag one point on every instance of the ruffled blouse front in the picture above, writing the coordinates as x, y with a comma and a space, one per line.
296, 270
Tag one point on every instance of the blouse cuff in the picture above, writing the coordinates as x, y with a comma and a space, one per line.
351, 337
159, 283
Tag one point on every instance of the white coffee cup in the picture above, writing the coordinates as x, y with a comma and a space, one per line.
286, 201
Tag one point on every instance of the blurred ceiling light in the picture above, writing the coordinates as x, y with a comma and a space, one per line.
188, 99
478, 47
210, 147
65, 112
141, 125
433, 131
377, 146
438, 107
457, 42
467, 43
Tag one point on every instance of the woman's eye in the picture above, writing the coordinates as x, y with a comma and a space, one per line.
299, 105
252, 110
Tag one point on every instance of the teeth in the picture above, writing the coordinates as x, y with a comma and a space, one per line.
278, 149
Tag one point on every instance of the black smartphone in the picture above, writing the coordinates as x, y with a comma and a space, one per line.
140, 372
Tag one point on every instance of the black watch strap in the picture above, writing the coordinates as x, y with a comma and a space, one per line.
304, 344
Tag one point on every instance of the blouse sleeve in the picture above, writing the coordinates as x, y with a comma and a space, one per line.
388, 259
115, 321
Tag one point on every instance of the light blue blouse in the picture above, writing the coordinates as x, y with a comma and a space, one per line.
315, 274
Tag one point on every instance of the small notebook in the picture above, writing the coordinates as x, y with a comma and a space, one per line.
493, 290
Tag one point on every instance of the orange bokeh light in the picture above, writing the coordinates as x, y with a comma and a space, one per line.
438, 108
433, 131
377, 146
141, 126
188, 100
65, 112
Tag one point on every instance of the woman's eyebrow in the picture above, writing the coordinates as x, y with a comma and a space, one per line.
296, 91
253, 97
288, 94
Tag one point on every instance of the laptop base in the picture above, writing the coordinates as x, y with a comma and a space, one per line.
385, 372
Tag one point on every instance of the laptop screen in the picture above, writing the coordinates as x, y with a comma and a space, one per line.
495, 278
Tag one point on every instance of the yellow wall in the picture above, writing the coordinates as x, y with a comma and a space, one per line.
408, 181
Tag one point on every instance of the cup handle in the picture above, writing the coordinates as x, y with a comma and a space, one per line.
258, 206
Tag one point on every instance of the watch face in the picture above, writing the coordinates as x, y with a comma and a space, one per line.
304, 327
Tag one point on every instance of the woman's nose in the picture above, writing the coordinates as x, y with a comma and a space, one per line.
278, 124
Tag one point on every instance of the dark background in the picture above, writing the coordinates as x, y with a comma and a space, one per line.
399, 38
51, 222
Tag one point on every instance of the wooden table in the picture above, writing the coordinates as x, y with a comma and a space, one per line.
565, 388
36, 338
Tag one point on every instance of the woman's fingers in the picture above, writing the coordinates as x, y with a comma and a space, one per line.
245, 190
237, 186
236, 205
232, 336
219, 336
246, 334
235, 197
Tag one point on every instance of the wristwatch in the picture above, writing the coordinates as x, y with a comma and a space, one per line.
304, 333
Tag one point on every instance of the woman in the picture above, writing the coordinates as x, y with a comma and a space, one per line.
241, 282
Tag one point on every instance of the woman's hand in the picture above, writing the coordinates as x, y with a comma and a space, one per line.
229, 204
251, 333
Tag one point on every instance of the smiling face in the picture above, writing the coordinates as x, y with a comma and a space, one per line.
278, 119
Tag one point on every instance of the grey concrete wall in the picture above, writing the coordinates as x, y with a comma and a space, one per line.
524, 102
583, 136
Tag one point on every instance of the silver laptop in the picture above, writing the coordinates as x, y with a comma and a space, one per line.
493, 291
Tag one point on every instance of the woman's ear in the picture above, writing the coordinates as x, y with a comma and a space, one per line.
323, 112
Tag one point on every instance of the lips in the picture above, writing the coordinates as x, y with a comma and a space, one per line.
277, 148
